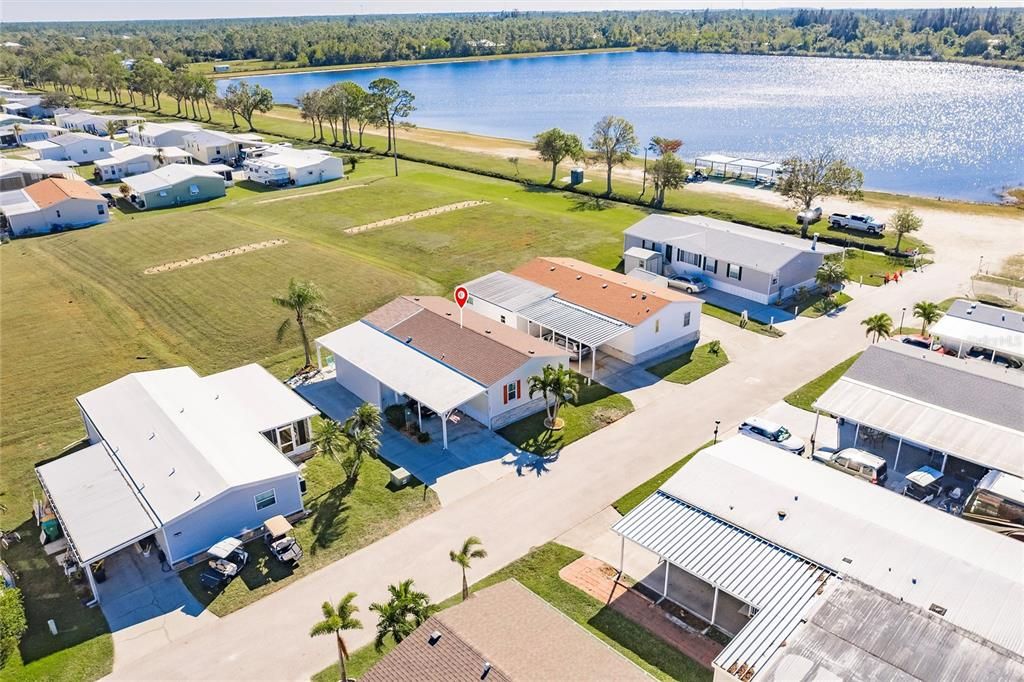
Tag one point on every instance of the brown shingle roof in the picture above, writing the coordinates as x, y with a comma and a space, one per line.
483, 349
518, 633
618, 296
55, 190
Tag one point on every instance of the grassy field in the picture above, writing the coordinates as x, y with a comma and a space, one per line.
630, 500
596, 407
818, 305
79, 312
805, 396
538, 571
870, 268
691, 365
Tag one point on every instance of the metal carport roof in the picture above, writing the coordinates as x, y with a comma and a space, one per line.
974, 333
401, 367
574, 322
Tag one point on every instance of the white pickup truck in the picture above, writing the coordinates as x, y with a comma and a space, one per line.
863, 223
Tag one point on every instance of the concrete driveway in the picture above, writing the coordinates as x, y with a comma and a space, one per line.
801, 423
475, 456
759, 312
145, 606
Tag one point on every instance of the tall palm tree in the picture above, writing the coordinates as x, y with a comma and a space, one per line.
880, 325
18, 129
366, 418
306, 300
405, 611
471, 549
329, 438
338, 619
830, 276
928, 312
557, 385
112, 129
363, 444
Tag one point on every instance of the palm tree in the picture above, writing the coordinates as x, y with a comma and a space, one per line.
557, 385
471, 549
366, 418
830, 275
329, 438
404, 612
18, 129
363, 444
338, 619
880, 325
928, 312
306, 300
112, 128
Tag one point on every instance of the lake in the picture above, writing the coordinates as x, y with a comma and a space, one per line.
924, 128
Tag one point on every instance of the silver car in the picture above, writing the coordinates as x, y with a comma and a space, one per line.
691, 284
773, 434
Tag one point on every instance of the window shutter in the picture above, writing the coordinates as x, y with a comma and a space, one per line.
519, 390
739, 275
505, 396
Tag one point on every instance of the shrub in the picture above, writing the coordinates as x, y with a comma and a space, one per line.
395, 414
714, 346
12, 622
423, 437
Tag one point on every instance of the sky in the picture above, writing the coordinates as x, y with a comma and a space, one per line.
95, 10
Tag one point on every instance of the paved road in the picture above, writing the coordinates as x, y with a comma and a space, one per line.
269, 640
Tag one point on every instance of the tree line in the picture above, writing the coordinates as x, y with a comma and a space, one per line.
319, 41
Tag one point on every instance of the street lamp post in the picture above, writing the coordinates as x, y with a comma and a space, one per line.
717, 422
903, 314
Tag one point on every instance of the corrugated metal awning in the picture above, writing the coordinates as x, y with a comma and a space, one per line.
574, 322
972, 333
970, 438
780, 584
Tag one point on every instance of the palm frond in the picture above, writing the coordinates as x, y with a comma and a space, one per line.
282, 331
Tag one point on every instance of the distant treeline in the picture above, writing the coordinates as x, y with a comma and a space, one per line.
961, 33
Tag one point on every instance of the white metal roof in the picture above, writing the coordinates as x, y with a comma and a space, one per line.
637, 252
167, 176
716, 158
574, 322
508, 291
749, 163
97, 506
779, 583
179, 440
16, 202
907, 549
977, 333
265, 402
402, 368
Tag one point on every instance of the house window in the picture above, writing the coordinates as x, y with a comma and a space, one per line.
163, 193
733, 271
710, 264
58, 214
686, 319
216, 150
100, 209
286, 439
668, 253
657, 326
513, 390
193, 189
302, 428
265, 499
502, 319
689, 257
101, 149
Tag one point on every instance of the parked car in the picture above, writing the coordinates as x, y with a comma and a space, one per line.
855, 462
985, 354
773, 434
571, 346
809, 215
229, 558
923, 485
862, 223
916, 341
282, 545
691, 284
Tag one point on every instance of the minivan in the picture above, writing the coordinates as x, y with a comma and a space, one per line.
855, 462
773, 434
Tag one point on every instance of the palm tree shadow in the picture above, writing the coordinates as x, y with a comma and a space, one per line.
329, 516
589, 203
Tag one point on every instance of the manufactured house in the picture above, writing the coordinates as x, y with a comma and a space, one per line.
221, 68
752, 263
174, 185
27, 105
426, 349
971, 326
170, 134
52, 205
86, 121
179, 461
588, 309
503, 633
213, 146
16, 134
819, 576
915, 407
132, 160
19, 173
281, 165
77, 147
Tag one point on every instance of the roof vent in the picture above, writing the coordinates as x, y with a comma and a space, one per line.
448, 314
530, 352
434, 638
408, 339
578, 277
487, 669
643, 297
848, 560
552, 268
782, 514
604, 286
633, 295
198, 493
172, 471
152, 435
487, 331
935, 608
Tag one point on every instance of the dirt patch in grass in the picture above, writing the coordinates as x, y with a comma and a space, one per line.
227, 253
414, 216
309, 194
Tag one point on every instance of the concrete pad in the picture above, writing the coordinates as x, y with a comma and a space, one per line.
801, 423
759, 312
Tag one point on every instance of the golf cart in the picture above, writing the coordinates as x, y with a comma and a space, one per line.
281, 545
228, 559
923, 485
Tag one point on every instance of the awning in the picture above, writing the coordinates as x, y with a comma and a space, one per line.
749, 163
98, 508
574, 322
972, 333
715, 158
402, 368
990, 445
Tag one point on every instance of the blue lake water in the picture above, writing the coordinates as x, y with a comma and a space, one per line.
932, 129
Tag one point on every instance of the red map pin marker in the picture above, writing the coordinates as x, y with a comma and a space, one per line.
461, 296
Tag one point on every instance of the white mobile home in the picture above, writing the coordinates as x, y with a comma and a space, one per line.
132, 160
171, 134
85, 121
972, 328
21, 133
177, 460
78, 147
281, 165
52, 205
213, 146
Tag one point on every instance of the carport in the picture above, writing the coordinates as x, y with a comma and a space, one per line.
575, 324
368, 362
96, 506
711, 160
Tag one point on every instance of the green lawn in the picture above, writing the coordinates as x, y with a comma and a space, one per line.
819, 305
734, 318
343, 518
691, 365
538, 571
873, 267
805, 396
596, 407
630, 500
